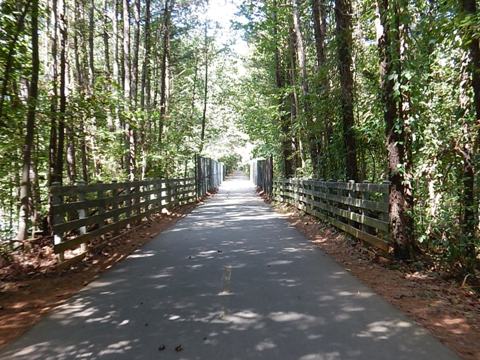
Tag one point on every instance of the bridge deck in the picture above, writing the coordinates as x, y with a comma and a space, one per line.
233, 280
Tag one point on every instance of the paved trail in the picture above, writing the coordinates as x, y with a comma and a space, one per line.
233, 280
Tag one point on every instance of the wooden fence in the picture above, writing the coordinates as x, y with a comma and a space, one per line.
261, 174
360, 209
209, 174
84, 212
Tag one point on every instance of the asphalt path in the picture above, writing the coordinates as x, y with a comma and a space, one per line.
232, 280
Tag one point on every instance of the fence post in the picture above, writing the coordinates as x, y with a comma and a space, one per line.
128, 205
270, 172
197, 176
140, 189
215, 175
317, 189
204, 176
151, 196
275, 190
168, 190
163, 189
191, 191
115, 193
330, 190
101, 207
386, 217
287, 190
365, 195
57, 219
277, 186
176, 190
350, 194
311, 197
81, 212
176, 184
209, 178
297, 194
158, 194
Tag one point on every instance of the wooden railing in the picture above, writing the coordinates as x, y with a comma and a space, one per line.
209, 174
360, 209
261, 174
84, 212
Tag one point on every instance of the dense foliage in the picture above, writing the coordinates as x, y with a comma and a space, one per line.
414, 76
127, 89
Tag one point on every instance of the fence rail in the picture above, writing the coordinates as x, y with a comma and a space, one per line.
360, 209
83, 212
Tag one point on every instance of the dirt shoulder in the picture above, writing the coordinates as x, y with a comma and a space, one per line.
451, 312
25, 299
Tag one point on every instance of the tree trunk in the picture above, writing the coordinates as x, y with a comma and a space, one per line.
117, 76
145, 92
84, 155
126, 50
469, 8
136, 52
320, 29
400, 200
91, 44
25, 185
471, 72
116, 60
295, 111
145, 86
130, 158
71, 155
312, 136
164, 65
319, 14
63, 98
52, 153
106, 39
343, 17
76, 47
81, 82
402, 20
194, 89
35, 188
287, 153
10, 59
205, 88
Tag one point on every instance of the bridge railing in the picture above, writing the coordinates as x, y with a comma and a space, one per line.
208, 174
261, 174
83, 212
359, 209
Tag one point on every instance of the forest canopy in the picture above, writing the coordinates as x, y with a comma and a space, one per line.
102, 90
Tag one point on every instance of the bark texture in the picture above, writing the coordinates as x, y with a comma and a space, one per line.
400, 199
343, 18
26, 184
